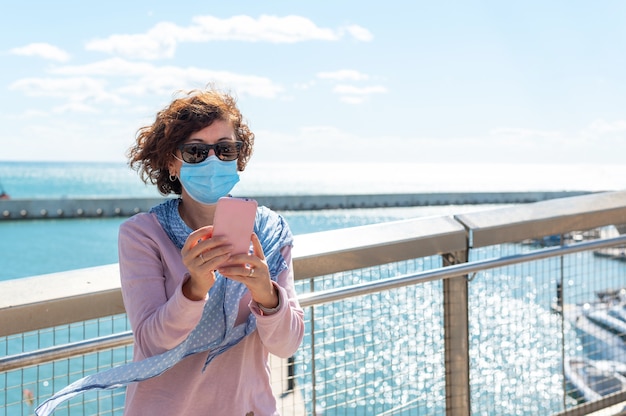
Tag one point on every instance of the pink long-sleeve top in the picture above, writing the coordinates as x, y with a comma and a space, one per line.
236, 382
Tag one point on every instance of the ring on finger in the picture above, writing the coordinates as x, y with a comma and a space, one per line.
251, 272
202, 258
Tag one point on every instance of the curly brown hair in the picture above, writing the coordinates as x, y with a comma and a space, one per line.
156, 144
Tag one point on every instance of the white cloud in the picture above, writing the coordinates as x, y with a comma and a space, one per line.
140, 78
523, 136
359, 33
319, 143
78, 91
158, 42
356, 95
343, 75
75, 107
330, 132
352, 90
83, 138
274, 29
85, 88
107, 67
351, 94
600, 140
351, 99
603, 126
506, 145
42, 50
161, 41
165, 80
605, 134
304, 85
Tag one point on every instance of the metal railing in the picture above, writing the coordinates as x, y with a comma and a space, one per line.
442, 315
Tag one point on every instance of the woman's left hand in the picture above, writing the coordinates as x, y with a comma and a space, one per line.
252, 271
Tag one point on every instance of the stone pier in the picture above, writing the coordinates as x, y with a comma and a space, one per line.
22, 209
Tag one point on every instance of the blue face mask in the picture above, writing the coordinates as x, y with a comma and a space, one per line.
208, 181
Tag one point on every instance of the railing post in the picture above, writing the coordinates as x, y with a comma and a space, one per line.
456, 339
291, 374
313, 357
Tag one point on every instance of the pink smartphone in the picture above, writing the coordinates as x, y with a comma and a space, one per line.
234, 218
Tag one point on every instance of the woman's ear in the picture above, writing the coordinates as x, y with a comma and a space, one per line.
173, 169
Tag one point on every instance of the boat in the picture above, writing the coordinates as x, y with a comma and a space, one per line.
600, 325
590, 380
612, 296
607, 320
618, 312
617, 253
3, 194
598, 342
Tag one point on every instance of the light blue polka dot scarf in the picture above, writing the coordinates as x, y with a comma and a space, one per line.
216, 332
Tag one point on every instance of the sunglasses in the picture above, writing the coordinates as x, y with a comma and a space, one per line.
199, 152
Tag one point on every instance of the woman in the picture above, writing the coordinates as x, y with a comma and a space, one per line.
204, 319
172, 270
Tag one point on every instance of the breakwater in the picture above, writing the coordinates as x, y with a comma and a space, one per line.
23, 209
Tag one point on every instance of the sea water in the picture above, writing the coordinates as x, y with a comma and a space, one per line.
34, 247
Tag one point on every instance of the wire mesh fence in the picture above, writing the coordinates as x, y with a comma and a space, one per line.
22, 389
375, 354
544, 336
532, 347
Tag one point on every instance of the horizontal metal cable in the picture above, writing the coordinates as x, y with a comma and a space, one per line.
59, 352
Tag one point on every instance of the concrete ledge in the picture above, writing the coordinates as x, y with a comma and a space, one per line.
326, 252
520, 222
32, 303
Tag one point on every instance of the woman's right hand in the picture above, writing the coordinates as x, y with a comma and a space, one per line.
202, 255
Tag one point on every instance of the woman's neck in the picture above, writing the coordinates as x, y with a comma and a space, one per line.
195, 214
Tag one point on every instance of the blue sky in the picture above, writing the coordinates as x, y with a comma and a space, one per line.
363, 81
